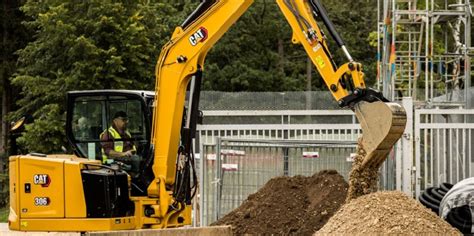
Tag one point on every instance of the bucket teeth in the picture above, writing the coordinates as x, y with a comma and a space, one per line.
382, 126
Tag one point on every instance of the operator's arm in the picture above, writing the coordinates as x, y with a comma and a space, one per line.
107, 144
119, 156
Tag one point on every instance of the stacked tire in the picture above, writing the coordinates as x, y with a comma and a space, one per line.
433, 196
455, 203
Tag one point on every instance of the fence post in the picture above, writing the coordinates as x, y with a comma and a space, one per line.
201, 185
285, 161
218, 180
399, 156
407, 147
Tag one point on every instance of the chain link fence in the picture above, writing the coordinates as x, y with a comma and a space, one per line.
311, 100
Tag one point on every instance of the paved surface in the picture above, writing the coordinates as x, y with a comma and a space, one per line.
5, 231
201, 231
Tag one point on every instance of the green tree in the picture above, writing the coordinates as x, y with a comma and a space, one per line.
14, 37
247, 58
83, 45
355, 20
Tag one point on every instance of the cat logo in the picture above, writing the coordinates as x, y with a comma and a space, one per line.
199, 36
41, 179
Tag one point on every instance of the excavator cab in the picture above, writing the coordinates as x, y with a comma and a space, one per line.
90, 113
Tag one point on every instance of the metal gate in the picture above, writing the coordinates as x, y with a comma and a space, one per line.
236, 168
444, 146
272, 143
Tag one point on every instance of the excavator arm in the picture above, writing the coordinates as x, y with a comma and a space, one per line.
181, 64
346, 83
382, 122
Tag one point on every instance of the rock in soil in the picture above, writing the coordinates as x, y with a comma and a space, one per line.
390, 212
296, 205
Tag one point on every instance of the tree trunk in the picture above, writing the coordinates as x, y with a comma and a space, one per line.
281, 53
5, 110
3, 134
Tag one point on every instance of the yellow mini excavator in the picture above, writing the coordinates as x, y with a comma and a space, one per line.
82, 193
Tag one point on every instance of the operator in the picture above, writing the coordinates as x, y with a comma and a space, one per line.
123, 150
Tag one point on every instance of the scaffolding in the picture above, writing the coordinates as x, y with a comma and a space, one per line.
424, 50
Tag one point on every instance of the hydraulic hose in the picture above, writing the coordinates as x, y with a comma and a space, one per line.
321, 11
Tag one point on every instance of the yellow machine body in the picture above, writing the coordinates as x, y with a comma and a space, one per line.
46, 194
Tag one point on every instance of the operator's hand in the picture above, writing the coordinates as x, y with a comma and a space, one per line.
128, 153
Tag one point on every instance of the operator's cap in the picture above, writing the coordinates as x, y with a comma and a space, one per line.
120, 114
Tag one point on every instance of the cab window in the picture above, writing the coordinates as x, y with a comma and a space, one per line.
92, 115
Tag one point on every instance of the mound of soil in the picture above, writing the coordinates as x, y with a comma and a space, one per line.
289, 205
389, 212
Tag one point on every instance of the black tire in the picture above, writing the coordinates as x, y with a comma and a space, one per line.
434, 194
445, 187
462, 214
428, 204
440, 191
428, 196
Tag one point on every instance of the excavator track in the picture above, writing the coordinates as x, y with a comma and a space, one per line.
382, 123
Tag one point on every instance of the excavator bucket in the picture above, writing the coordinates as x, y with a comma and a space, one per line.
382, 125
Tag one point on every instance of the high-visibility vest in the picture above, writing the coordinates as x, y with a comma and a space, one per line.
118, 145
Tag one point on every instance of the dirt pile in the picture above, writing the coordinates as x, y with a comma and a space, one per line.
289, 205
361, 180
386, 213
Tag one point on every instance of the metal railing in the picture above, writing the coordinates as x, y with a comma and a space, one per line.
279, 127
280, 124
444, 148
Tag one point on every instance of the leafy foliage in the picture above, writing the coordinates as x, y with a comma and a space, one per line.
354, 20
97, 44
247, 59
82, 45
